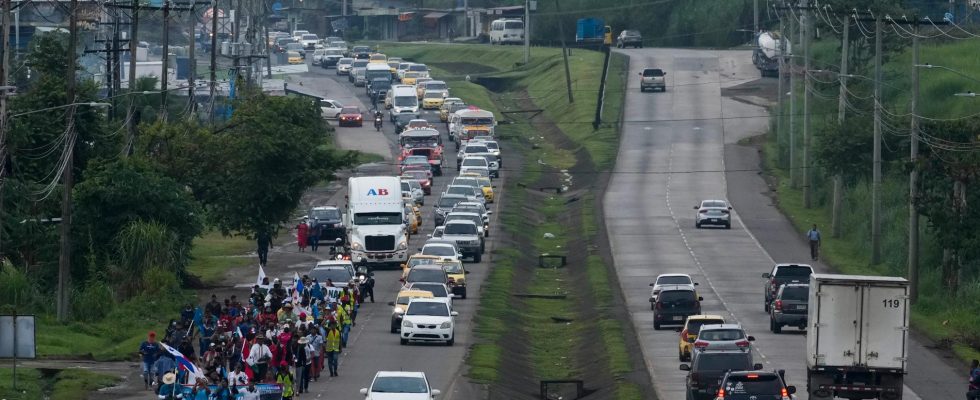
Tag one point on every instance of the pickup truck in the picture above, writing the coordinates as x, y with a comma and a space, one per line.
653, 79
467, 238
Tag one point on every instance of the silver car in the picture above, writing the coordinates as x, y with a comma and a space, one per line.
713, 212
723, 337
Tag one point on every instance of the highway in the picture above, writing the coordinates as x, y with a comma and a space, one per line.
672, 156
372, 347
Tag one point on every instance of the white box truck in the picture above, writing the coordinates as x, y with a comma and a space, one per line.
857, 343
376, 230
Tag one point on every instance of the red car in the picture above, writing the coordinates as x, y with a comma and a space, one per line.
424, 178
434, 154
351, 116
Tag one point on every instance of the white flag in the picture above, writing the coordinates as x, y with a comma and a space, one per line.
258, 281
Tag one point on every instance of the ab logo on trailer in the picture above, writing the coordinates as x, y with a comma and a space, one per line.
377, 192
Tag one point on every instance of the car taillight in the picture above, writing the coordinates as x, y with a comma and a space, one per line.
779, 305
660, 306
742, 343
784, 393
721, 394
700, 344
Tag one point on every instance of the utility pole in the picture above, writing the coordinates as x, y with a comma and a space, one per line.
64, 258
792, 116
564, 55
780, 93
527, 31
4, 89
807, 97
133, 42
876, 164
466, 16
214, 56
755, 16
192, 65
841, 107
913, 261
164, 85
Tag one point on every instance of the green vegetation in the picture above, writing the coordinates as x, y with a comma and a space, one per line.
140, 202
554, 328
214, 254
65, 384
948, 309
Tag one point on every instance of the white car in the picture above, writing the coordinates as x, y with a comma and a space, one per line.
713, 212
471, 193
344, 65
668, 279
444, 250
429, 320
399, 385
330, 108
418, 196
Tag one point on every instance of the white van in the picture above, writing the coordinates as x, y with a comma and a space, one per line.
503, 31
404, 99
375, 218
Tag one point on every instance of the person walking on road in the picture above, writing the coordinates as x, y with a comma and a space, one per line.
263, 242
259, 356
813, 235
315, 231
149, 350
285, 379
302, 235
973, 393
168, 387
333, 347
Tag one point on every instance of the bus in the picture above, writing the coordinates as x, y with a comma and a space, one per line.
503, 31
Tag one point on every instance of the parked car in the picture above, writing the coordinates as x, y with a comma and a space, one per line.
330, 108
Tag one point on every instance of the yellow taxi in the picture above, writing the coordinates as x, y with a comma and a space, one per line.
485, 184
418, 259
432, 100
450, 105
457, 276
401, 304
411, 77
690, 333
293, 57
377, 58
413, 220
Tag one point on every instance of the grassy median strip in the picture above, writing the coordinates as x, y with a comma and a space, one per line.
67, 384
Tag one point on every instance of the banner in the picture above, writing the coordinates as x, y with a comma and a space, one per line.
267, 391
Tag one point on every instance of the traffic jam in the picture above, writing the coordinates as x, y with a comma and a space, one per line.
446, 178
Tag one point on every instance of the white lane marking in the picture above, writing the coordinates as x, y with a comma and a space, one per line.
648, 128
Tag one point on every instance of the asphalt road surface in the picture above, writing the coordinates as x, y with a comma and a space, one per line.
372, 347
671, 157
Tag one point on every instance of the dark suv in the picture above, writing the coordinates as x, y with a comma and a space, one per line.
755, 385
782, 274
674, 305
789, 307
330, 222
709, 367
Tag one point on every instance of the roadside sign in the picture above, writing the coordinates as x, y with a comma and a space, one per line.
276, 7
17, 336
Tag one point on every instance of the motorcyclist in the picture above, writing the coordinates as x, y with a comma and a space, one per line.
377, 119
365, 281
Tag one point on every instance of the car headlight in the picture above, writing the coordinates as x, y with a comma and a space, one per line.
446, 325
399, 310
403, 245
406, 324
356, 246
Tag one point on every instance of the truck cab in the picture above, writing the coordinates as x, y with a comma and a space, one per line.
376, 231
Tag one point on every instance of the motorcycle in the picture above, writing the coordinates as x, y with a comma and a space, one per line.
365, 283
377, 122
